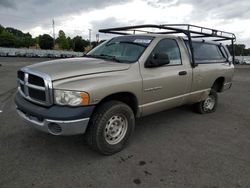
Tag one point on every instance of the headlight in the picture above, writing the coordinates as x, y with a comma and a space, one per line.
71, 98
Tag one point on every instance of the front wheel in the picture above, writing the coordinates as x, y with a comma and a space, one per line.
209, 104
110, 127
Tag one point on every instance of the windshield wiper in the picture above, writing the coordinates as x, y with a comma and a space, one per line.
111, 57
103, 56
86, 55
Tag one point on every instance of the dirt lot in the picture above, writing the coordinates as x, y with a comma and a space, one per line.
174, 148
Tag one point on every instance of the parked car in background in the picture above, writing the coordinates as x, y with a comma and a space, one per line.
24, 52
237, 61
3, 54
242, 60
245, 61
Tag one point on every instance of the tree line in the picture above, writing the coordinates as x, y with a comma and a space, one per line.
11, 37
239, 49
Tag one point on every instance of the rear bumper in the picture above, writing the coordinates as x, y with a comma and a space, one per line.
56, 120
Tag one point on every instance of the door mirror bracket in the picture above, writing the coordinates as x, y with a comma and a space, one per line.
157, 60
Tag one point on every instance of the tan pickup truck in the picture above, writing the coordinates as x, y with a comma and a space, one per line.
124, 78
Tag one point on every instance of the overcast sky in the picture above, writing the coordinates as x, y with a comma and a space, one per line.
75, 17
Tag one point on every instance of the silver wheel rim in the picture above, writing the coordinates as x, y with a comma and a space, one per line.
115, 129
209, 103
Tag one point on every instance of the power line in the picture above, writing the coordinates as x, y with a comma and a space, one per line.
90, 30
97, 37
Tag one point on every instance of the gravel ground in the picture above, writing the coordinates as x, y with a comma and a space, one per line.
174, 148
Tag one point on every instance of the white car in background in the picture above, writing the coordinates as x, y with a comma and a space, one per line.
243, 60
247, 62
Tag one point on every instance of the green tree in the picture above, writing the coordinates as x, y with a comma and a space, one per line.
36, 41
27, 42
46, 42
18, 42
85, 43
7, 39
20, 39
78, 44
239, 49
70, 41
247, 52
62, 40
16, 32
94, 44
1, 28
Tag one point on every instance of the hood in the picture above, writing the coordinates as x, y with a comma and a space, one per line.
65, 68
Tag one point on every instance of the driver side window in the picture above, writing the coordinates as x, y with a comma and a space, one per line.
170, 48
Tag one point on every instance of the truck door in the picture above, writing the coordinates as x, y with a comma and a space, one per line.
165, 86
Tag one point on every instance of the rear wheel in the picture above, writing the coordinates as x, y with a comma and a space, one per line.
209, 104
110, 127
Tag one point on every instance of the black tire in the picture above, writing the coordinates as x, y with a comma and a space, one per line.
201, 108
96, 134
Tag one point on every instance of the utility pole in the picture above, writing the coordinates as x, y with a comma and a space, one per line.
97, 38
53, 26
90, 30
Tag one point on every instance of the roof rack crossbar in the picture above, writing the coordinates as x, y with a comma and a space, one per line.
177, 28
199, 27
218, 40
118, 33
170, 32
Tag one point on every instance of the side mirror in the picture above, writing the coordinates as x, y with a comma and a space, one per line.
230, 59
157, 60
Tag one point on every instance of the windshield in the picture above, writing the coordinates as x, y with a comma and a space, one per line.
124, 49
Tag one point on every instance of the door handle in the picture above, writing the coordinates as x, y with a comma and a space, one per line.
182, 73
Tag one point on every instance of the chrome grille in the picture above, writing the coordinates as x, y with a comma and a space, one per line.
35, 86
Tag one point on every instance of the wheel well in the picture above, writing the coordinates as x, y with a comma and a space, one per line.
125, 97
218, 84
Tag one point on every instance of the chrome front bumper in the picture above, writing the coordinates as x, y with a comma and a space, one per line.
57, 127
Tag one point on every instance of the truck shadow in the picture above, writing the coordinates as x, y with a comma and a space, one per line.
75, 146
163, 118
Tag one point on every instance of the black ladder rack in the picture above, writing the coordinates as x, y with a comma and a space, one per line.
191, 31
